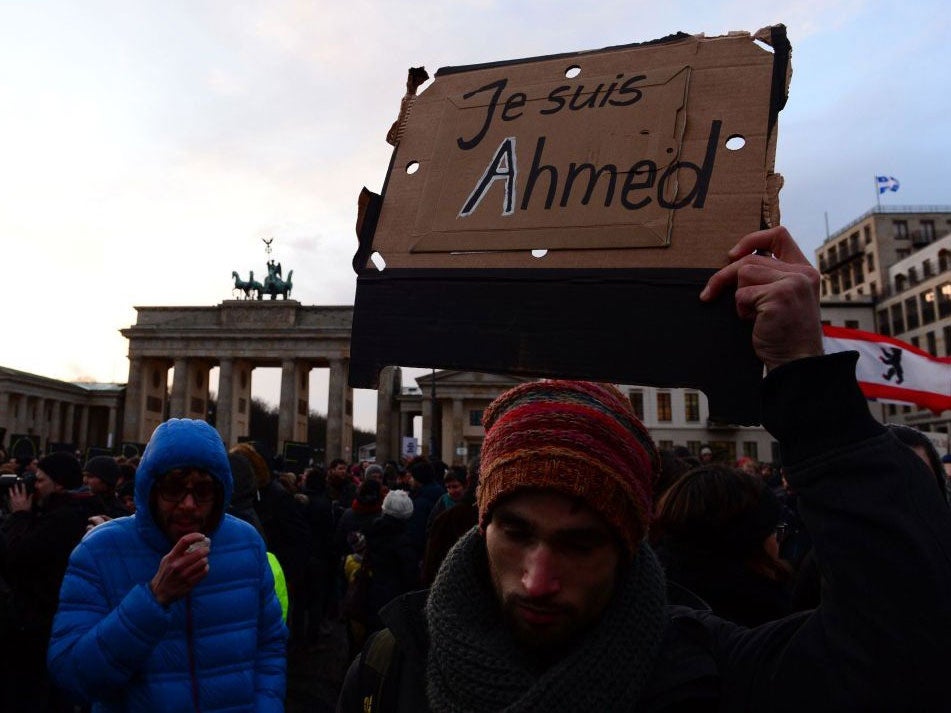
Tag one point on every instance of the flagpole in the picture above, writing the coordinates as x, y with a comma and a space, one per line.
878, 192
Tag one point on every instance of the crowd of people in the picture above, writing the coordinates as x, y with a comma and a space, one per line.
573, 567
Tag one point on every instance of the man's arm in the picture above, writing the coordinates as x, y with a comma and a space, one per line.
881, 533
96, 648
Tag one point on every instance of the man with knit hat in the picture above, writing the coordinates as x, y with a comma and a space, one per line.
555, 602
41, 530
100, 475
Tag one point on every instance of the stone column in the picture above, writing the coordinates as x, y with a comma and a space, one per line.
83, 443
456, 436
179, 389
41, 424
111, 433
69, 430
225, 416
286, 408
384, 414
134, 403
5, 410
56, 424
425, 446
339, 413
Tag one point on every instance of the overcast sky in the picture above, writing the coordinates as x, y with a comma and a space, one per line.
146, 148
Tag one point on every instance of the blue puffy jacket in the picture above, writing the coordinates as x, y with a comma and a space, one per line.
220, 648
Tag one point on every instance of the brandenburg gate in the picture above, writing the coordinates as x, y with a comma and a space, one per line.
237, 336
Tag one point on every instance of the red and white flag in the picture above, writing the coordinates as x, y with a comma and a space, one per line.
892, 370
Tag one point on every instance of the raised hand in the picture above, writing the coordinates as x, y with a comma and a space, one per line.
778, 289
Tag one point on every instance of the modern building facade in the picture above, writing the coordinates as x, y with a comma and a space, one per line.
890, 270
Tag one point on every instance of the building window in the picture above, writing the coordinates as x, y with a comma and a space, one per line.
915, 341
911, 312
834, 279
926, 268
944, 260
883, 326
664, 412
870, 262
694, 447
892, 409
825, 287
475, 417
724, 450
637, 403
932, 344
927, 229
902, 253
857, 273
901, 229
944, 300
751, 449
898, 320
867, 232
851, 324
927, 307
947, 340
692, 407
900, 283
846, 278
912, 276
665, 445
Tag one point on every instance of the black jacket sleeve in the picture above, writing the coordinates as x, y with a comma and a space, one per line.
882, 538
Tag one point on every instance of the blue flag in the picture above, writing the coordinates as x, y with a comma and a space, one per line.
887, 183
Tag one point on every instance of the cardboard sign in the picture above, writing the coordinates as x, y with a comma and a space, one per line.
636, 167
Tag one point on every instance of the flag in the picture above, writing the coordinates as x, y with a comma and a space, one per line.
886, 183
893, 370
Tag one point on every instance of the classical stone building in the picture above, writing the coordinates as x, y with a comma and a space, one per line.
52, 412
239, 336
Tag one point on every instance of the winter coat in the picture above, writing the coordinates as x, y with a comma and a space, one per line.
392, 562
39, 542
221, 648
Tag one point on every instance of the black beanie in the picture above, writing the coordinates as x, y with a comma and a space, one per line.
103, 467
63, 469
422, 471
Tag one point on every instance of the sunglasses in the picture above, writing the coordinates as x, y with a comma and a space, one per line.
202, 492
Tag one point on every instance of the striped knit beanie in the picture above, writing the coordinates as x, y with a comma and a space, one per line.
577, 438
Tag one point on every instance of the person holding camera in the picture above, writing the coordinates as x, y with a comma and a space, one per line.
47, 520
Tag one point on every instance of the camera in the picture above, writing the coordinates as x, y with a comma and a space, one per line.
8, 481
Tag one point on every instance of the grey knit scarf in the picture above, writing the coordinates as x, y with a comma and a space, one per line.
475, 666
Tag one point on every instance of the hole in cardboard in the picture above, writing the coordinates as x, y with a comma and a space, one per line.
735, 142
412, 167
539, 253
764, 46
645, 132
572, 71
378, 262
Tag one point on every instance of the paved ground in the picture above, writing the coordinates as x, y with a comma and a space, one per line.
315, 673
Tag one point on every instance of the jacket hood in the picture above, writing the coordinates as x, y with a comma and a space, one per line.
179, 443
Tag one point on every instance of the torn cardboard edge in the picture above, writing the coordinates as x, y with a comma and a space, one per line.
603, 321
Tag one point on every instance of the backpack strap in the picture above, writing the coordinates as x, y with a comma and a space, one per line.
375, 663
